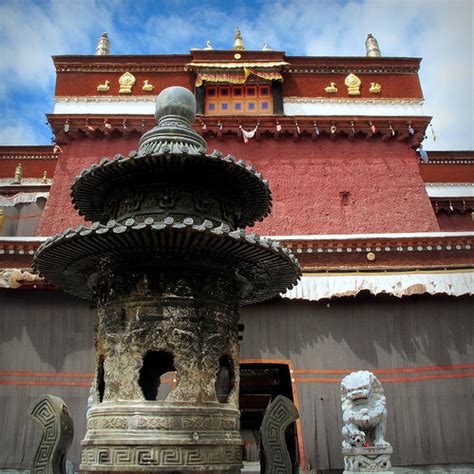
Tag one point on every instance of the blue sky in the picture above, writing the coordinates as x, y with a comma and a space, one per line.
439, 31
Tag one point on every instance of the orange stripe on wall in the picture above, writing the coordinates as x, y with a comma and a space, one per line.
417, 378
49, 383
65, 375
402, 370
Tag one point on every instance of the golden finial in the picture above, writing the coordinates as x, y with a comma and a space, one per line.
18, 174
372, 47
103, 46
238, 42
265, 47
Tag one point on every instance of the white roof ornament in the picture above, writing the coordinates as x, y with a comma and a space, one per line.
103, 46
372, 47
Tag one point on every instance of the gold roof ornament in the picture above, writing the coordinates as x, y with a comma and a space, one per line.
104, 87
126, 81
238, 42
372, 47
331, 89
103, 46
147, 86
375, 88
352, 83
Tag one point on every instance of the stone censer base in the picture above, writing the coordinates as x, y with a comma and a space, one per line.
162, 437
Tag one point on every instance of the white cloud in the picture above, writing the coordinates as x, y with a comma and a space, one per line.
440, 31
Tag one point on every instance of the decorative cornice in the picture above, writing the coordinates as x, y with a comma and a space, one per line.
447, 161
26, 155
352, 100
356, 69
119, 67
108, 98
410, 130
381, 244
20, 245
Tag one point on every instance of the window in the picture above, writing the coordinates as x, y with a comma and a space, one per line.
252, 99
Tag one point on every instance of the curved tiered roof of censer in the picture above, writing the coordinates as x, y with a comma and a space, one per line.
173, 152
146, 230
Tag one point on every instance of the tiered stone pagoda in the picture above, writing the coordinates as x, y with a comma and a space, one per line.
168, 264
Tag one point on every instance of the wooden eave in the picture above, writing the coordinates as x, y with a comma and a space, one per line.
297, 127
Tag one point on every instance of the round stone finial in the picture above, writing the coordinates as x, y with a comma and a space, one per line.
177, 101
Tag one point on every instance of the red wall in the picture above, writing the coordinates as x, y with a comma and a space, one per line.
447, 173
386, 189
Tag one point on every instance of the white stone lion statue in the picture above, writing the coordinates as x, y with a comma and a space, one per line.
363, 410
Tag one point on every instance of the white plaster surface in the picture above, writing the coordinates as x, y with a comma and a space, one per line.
373, 108
449, 190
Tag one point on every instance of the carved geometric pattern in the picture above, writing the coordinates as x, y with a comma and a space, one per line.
130, 456
197, 422
115, 423
92, 424
278, 416
230, 424
52, 414
154, 423
361, 463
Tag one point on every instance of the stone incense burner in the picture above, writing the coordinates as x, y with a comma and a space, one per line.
168, 265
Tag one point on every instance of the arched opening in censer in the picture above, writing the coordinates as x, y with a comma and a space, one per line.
225, 379
155, 365
100, 379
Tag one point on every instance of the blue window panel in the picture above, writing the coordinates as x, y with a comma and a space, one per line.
238, 106
212, 107
225, 106
265, 105
251, 105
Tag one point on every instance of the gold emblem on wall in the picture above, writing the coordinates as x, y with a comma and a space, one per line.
331, 89
104, 87
147, 86
126, 81
375, 88
352, 83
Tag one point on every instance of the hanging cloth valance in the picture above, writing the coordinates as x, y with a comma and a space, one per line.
22, 198
236, 77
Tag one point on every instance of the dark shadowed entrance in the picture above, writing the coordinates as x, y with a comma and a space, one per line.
259, 385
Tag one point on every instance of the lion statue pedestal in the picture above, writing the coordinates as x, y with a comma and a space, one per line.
365, 415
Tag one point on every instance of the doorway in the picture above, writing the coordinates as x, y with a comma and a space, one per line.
260, 383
